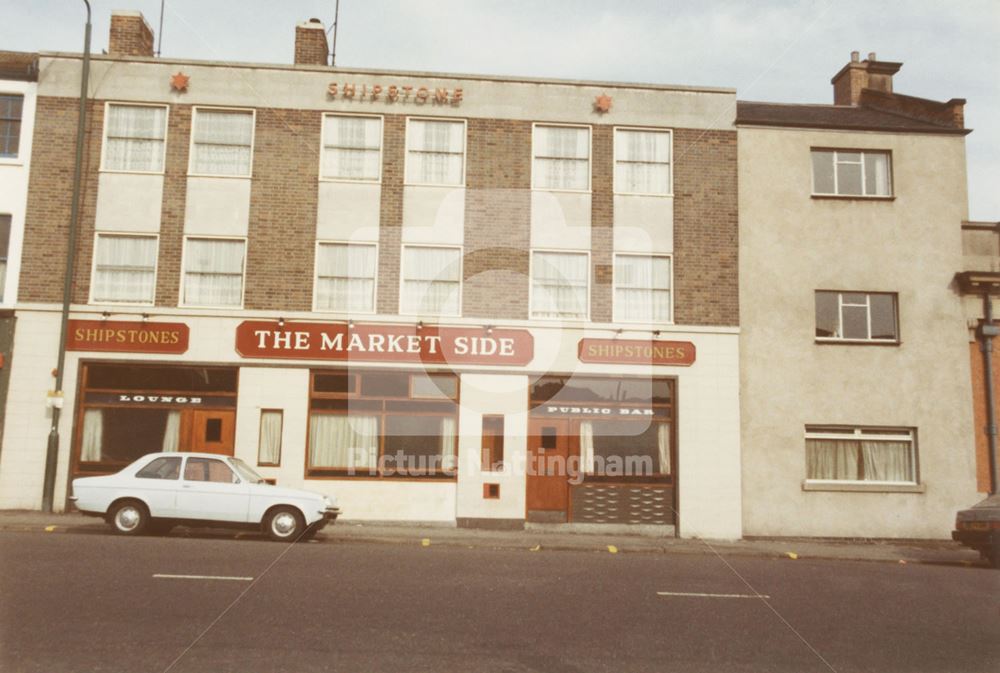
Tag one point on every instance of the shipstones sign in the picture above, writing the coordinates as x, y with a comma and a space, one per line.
127, 336
636, 352
426, 344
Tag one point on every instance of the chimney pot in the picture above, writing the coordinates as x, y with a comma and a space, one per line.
855, 56
871, 56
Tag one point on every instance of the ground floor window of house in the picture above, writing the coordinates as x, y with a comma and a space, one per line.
638, 448
382, 424
859, 454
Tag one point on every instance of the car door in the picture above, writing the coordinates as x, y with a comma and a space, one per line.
211, 491
158, 483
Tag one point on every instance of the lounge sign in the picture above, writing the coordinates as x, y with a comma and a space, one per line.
119, 336
427, 344
637, 352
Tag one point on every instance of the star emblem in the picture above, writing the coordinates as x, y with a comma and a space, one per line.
602, 103
179, 82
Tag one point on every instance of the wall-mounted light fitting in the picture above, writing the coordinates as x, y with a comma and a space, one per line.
281, 322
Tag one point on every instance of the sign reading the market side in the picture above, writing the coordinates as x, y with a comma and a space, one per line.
637, 352
118, 336
427, 344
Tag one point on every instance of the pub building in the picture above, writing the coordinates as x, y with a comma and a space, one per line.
481, 301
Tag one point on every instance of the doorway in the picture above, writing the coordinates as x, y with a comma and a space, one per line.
213, 431
551, 445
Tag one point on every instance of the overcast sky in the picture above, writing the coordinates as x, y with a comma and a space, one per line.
768, 50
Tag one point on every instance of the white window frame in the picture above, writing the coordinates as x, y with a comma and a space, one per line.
93, 268
461, 278
381, 147
859, 434
614, 288
243, 285
370, 244
836, 179
531, 284
253, 140
407, 181
104, 137
868, 312
614, 161
590, 158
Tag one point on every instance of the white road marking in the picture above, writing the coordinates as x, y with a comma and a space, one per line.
203, 577
681, 593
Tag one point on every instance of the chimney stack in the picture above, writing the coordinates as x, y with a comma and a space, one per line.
858, 75
130, 34
310, 43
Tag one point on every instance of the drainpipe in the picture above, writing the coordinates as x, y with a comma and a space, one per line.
987, 331
52, 452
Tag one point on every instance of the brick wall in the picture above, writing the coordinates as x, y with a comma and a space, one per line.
706, 236
602, 219
168, 271
310, 45
497, 219
130, 36
390, 233
283, 202
46, 226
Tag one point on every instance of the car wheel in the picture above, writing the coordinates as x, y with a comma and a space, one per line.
129, 517
284, 524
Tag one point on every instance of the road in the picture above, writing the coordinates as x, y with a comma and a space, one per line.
96, 603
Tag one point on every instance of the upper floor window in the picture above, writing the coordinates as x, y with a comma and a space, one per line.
124, 269
222, 142
134, 138
352, 148
431, 281
560, 285
213, 272
435, 152
856, 316
11, 108
851, 173
345, 277
642, 288
4, 245
561, 157
642, 162
886, 455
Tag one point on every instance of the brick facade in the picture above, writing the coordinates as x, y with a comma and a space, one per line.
602, 220
497, 219
706, 236
168, 269
283, 201
390, 231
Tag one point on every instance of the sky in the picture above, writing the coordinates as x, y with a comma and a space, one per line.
768, 50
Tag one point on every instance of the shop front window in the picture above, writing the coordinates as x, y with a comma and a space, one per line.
625, 448
383, 424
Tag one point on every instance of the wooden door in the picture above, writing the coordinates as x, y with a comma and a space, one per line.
550, 445
213, 431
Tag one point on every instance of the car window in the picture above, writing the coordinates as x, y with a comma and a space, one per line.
161, 468
208, 469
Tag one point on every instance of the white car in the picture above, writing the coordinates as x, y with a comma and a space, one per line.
161, 490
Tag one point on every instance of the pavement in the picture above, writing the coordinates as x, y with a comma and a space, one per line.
613, 541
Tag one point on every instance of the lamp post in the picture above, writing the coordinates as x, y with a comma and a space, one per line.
52, 452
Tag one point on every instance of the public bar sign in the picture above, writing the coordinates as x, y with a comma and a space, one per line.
637, 352
117, 336
426, 344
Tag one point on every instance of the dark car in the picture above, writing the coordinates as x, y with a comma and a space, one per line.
979, 527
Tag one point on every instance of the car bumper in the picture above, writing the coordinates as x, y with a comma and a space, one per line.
328, 516
977, 539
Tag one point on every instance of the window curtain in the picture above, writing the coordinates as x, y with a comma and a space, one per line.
343, 441
887, 461
876, 174
436, 151
587, 447
562, 157
642, 288
663, 445
269, 450
222, 142
214, 272
93, 435
172, 433
832, 459
432, 280
125, 268
345, 277
447, 443
560, 285
642, 162
135, 138
352, 147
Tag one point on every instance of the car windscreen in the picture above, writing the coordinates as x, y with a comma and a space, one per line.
245, 471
